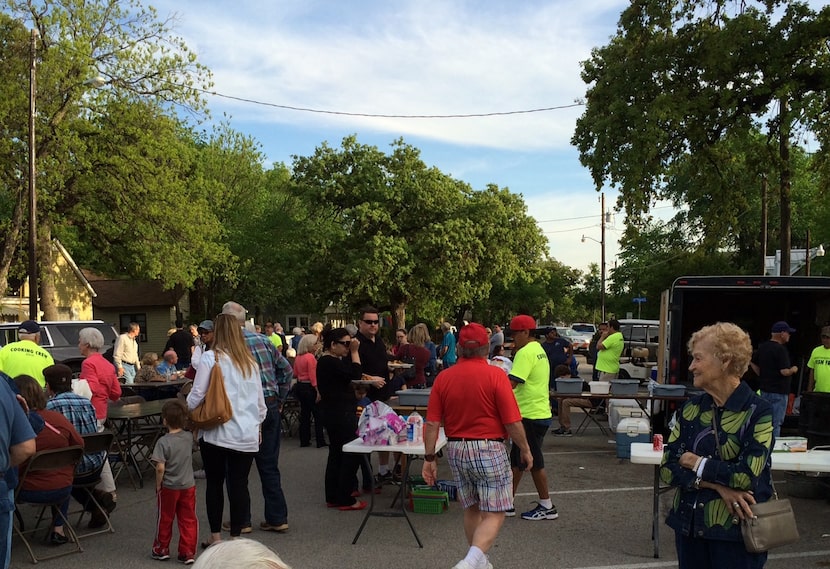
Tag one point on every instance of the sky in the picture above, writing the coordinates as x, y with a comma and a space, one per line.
431, 57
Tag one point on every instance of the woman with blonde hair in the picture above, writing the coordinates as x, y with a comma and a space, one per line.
148, 372
305, 370
317, 330
415, 352
229, 449
717, 455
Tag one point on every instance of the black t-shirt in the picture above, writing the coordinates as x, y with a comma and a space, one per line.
771, 357
374, 361
334, 377
182, 343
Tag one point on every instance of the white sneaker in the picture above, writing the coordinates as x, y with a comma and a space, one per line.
511, 513
463, 565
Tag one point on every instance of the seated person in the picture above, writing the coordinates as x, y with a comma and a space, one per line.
148, 369
49, 485
168, 366
564, 430
80, 412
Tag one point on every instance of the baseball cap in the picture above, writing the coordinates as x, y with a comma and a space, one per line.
206, 325
782, 326
29, 327
473, 335
58, 375
522, 322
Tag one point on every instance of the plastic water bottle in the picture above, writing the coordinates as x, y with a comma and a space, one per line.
415, 428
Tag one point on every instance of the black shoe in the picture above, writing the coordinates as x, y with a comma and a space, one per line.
106, 501
97, 520
303, 445
58, 539
321, 445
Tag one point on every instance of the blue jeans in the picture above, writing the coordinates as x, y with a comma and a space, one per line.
779, 410
48, 497
129, 373
6, 513
697, 553
267, 463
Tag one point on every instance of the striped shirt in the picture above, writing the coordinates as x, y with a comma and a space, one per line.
80, 412
274, 369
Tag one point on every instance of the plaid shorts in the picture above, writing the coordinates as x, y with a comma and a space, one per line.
482, 473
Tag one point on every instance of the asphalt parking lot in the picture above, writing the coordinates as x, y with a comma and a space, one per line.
604, 506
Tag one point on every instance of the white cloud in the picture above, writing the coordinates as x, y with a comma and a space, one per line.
404, 58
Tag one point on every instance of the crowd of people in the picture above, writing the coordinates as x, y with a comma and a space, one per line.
485, 391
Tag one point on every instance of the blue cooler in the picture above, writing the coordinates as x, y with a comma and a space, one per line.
631, 430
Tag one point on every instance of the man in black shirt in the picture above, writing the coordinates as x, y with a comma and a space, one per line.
771, 362
181, 341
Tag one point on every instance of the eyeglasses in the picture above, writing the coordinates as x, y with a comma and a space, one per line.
372, 322
346, 343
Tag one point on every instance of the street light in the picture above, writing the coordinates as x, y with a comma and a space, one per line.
604, 217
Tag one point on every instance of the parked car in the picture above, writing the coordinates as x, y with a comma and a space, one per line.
60, 338
584, 328
640, 334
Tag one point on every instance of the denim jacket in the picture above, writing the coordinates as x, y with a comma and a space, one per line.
745, 435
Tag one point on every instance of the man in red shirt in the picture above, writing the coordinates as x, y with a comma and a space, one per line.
475, 401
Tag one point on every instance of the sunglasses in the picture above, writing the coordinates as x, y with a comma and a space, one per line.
346, 343
372, 322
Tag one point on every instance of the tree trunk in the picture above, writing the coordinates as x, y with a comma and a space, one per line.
785, 189
48, 291
11, 240
399, 314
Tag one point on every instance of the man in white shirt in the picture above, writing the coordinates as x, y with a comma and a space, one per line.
125, 355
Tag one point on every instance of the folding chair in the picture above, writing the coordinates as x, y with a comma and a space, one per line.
48, 460
94, 443
592, 414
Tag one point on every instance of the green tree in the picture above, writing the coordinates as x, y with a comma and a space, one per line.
392, 231
681, 77
142, 62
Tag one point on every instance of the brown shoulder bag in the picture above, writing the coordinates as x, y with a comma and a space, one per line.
215, 409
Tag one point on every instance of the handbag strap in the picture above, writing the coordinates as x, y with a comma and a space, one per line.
716, 434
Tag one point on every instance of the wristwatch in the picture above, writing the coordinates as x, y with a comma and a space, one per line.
429, 457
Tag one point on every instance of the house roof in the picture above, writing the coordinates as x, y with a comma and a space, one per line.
121, 293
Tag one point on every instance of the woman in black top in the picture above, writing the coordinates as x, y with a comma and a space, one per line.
337, 368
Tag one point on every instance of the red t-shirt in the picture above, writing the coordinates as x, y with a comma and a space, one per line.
100, 374
57, 433
474, 400
421, 356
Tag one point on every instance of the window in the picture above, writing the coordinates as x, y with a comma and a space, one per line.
140, 319
295, 320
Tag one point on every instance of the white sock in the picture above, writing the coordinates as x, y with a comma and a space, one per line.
546, 503
475, 557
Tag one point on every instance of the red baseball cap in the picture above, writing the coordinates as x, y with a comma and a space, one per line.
473, 335
522, 322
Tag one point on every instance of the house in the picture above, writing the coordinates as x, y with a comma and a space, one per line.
75, 293
147, 303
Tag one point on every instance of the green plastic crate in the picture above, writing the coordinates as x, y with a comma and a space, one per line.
429, 501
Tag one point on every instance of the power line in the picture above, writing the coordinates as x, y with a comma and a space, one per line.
383, 115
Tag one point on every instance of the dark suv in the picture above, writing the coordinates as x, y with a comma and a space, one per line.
60, 338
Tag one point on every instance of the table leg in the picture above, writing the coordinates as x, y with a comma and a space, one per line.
404, 482
131, 455
367, 459
655, 522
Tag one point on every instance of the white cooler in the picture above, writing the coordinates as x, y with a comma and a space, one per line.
619, 409
631, 430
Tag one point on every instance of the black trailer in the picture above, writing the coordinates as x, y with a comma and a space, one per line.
752, 302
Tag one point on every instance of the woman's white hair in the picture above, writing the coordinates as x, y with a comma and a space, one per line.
92, 337
240, 553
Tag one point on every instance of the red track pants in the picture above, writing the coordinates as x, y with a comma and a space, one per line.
181, 505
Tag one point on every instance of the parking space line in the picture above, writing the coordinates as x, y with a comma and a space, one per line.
592, 491
656, 564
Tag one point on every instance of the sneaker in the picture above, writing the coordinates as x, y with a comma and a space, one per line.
186, 559
463, 565
160, 556
381, 479
511, 513
279, 528
541, 513
226, 526
562, 432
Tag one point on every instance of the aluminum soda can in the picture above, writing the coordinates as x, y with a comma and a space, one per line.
658, 442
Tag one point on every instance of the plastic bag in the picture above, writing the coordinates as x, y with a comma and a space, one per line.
379, 424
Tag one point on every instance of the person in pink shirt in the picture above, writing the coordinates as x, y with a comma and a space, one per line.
305, 371
98, 372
